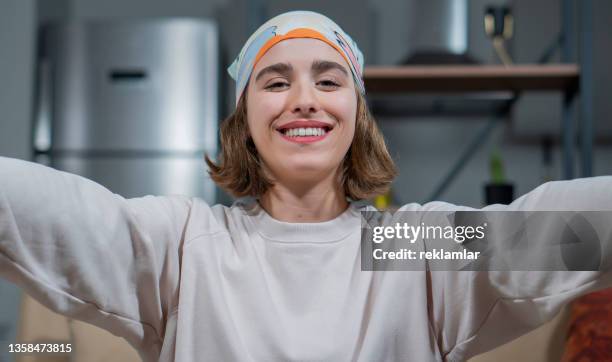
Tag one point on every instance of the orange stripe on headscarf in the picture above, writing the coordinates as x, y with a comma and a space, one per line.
297, 33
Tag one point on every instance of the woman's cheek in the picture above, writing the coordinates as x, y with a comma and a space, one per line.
271, 101
344, 107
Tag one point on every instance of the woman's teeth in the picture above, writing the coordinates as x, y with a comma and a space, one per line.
303, 132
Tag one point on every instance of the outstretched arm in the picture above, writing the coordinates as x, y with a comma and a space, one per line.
90, 254
476, 311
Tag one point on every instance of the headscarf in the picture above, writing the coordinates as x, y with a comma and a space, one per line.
295, 24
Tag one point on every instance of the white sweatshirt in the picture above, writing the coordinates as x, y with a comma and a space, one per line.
184, 281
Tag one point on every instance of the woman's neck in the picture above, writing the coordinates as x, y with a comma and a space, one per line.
303, 204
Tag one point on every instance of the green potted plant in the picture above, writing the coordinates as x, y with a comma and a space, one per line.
498, 190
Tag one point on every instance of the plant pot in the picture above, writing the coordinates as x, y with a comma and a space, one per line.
499, 193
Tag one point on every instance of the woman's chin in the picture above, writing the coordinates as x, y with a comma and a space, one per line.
308, 169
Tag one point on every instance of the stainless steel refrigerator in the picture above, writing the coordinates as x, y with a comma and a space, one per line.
131, 104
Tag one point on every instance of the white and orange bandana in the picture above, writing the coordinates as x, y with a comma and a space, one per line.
295, 24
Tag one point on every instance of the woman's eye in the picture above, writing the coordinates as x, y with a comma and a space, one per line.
276, 85
329, 83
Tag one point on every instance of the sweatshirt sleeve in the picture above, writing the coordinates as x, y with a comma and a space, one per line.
475, 311
90, 254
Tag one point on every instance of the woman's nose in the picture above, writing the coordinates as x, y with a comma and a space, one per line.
304, 99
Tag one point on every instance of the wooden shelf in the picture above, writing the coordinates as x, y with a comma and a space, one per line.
471, 78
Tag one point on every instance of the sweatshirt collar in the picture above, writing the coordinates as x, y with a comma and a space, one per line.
269, 228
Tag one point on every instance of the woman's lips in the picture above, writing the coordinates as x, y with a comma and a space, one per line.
304, 139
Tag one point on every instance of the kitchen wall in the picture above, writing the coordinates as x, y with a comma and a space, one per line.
426, 149
17, 23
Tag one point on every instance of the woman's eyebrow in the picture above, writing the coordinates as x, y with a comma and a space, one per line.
281, 68
320, 66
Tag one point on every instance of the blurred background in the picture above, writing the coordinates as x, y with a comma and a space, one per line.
130, 94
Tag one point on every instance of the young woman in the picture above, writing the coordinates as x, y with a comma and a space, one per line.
276, 276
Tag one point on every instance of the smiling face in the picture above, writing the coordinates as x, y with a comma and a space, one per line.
296, 82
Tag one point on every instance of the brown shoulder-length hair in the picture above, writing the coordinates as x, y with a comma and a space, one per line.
368, 169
